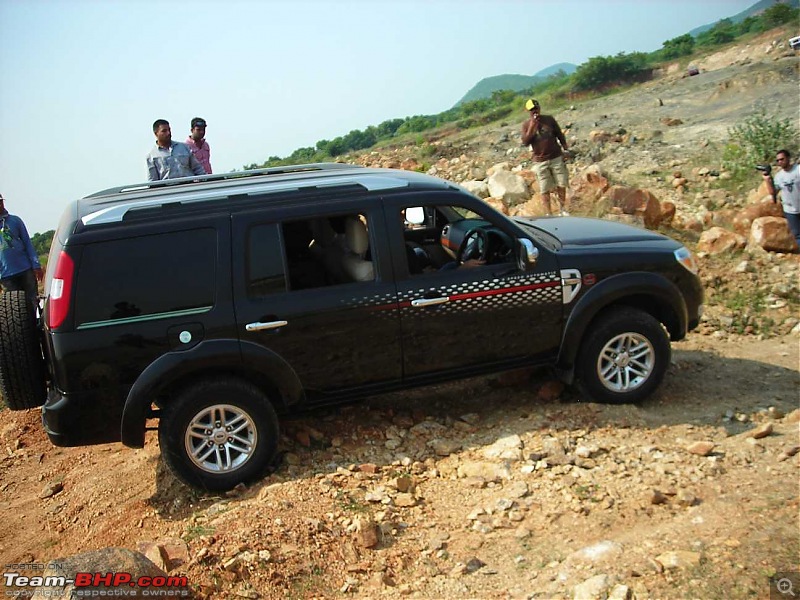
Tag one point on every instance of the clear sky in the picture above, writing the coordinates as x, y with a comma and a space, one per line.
81, 82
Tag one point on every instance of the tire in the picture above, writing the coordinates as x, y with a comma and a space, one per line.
196, 434
623, 358
22, 373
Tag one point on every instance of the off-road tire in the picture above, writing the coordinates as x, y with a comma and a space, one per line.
218, 433
22, 372
623, 357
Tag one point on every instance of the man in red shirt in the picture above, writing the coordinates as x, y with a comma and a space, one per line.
198, 144
543, 135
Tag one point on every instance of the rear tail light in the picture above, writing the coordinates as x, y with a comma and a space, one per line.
60, 291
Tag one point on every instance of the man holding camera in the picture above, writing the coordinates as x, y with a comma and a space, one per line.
787, 181
544, 136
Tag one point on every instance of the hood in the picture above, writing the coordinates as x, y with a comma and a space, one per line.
581, 231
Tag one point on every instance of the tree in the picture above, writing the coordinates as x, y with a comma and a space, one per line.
778, 14
721, 33
679, 46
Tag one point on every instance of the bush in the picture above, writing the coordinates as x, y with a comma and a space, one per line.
756, 140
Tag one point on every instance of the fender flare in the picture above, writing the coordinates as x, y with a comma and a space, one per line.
249, 359
664, 301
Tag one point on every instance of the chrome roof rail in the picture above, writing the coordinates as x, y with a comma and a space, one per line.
284, 170
369, 181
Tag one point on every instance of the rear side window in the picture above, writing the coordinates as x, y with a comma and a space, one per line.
147, 277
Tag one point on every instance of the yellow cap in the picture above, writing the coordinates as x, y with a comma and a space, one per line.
531, 104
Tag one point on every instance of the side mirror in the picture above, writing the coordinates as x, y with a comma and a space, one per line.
527, 254
415, 215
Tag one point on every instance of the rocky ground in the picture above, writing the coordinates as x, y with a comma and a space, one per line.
502, 487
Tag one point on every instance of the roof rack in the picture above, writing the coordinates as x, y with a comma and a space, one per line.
369, 181
284, 170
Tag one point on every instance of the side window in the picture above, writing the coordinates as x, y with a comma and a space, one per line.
264, 259
445, 237
142, 278
328, 250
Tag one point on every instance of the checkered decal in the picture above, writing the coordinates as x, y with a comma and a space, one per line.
540, 288
469, 296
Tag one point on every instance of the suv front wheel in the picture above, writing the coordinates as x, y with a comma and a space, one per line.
624, 357
217, 434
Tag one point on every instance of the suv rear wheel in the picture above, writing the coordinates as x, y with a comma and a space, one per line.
624, 358
22, 374
217, 434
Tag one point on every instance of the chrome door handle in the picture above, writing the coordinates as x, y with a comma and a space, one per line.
430, 301
262, 326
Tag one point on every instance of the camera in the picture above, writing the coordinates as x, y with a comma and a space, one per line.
765, 169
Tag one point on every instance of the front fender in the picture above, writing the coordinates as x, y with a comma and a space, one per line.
649, 291
251, 361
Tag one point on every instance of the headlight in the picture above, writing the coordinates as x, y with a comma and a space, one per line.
684, 256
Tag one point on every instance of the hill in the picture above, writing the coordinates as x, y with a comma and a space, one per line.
517, 83
754, 10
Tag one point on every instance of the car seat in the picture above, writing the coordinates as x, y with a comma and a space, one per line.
356, 241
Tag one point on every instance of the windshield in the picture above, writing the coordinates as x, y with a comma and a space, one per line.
465, 213
540, 236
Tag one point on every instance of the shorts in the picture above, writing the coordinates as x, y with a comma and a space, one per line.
551, 173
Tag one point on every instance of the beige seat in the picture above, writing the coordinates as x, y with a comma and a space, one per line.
356, 238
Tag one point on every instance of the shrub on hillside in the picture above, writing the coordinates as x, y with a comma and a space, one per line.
677, 47
756, 140
603, 70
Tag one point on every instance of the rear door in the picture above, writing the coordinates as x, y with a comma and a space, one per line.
295, 295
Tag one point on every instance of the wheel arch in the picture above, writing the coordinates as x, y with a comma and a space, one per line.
216, 358
650, 292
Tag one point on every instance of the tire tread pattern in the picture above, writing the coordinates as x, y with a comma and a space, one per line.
22, 373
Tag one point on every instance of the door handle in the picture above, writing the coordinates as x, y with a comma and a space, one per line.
262, 326
430, 301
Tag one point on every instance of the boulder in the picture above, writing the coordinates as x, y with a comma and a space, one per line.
497, 204
667, 212
590, 183
508, 186
718, 240
772, 233
503, 166
104, 561
640, 203
476, 188
743, 220
532, 208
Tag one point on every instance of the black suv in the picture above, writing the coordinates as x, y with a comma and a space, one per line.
215, 303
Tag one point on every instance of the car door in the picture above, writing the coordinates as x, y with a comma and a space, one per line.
293, 296
472, 318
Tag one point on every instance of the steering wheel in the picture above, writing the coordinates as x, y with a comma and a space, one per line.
474, 245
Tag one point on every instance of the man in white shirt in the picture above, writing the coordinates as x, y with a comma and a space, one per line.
787, 182
168, 159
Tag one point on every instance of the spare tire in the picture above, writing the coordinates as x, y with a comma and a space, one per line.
22, 372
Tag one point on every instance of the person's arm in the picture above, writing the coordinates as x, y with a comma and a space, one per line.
29, 250
770, 187
195, 166
152, 172
529, 128
560, 135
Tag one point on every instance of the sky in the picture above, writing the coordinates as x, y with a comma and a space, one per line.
81, 81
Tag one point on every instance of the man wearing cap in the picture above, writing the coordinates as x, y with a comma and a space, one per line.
543, 135
168, 159
198, 144
19, 265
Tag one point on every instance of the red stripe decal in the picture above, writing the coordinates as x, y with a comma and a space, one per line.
508, 290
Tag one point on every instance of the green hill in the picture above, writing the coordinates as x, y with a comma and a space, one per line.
753, 11
516, 83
